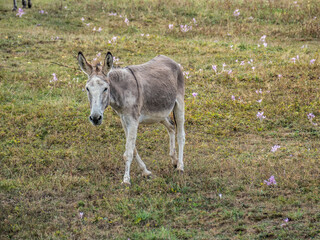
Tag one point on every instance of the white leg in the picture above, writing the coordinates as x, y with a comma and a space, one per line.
179, 116
171, 131
131, 127
145, 171
142, 166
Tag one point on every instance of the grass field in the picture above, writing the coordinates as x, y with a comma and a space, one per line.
60, 177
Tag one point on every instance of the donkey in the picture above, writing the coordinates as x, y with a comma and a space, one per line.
24, 4
145, 93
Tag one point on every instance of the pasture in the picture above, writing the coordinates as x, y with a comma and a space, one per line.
252, 76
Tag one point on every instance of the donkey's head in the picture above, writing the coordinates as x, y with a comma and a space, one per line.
98, 86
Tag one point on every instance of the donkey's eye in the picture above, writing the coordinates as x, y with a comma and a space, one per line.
105, 89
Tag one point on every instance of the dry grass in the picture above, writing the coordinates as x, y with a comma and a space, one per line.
54, 164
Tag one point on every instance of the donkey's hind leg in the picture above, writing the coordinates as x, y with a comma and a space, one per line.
29, 4
172, 135
178, 112
142, 165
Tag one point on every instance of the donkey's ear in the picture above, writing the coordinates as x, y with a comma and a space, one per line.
84, 65
108, 63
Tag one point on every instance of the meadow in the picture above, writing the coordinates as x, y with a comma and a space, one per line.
252, 162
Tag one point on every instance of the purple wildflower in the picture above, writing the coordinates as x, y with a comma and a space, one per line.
186, 75
185, 28
260, 116
194, 94
275, 148
263, 38
20, 12
170, 26
126, 21
54, 79
259, 91
311, 116
270, 181
236, 13
233, 98
312, 61
214, 67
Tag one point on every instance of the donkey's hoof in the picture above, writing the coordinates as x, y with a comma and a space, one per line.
147, 175
126, 183
180, 171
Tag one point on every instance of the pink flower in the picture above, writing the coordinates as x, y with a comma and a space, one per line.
186, 75
275, 148
100, 29
20, 12
54, 79
170, 26
261, 116
185, 28
126, 21
233, 98
270, 181
236, 13
311, 116
263, 38
82, 19
230, 71
214, 67
312, 61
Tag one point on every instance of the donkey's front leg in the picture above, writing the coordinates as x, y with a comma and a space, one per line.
132, 128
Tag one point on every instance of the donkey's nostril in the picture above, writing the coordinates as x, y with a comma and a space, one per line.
90, 118
99, 118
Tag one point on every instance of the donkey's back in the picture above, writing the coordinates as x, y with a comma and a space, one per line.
161, 82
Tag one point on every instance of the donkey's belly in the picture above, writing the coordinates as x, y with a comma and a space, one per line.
154, 117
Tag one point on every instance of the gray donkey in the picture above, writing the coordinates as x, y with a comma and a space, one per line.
145, 93
24, 4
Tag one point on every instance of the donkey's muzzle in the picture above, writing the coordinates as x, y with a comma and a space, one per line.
96, 119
